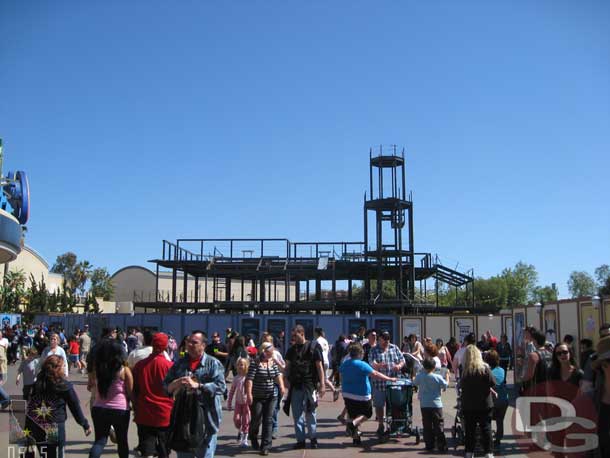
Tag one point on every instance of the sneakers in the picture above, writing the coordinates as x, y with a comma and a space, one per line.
350, 429
336, 395
243, 440
265, 452
489, 455
298, 445
314, 443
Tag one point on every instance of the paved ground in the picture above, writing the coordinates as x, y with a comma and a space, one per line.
330, 433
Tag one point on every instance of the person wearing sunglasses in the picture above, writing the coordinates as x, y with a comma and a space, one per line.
564, 366
564, 377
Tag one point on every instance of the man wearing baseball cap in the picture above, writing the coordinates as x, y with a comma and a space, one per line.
152, 405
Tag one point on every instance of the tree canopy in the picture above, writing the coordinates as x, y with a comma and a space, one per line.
580, 284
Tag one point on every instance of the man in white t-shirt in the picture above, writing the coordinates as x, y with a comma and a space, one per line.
319, 334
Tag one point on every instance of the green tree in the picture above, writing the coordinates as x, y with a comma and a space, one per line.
13, 291
602, 274
38, 297
581, 284
91, 304
101, 284
491, 291
545, 294
66, 300
521, 282
605, 290
65, 265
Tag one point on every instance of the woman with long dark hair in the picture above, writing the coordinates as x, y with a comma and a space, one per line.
46, 418
238, 350
564, 366
113, 387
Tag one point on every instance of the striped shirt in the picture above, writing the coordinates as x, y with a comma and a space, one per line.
262, 379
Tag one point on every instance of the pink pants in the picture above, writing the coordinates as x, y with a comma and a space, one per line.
241, 417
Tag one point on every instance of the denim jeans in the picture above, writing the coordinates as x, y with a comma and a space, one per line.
276, 411
103, 419
4, 398
206, 450
303, 411
54, 450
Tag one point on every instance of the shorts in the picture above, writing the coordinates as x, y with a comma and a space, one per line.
356, 409
153, 440
83, 355
73, 358
378, 398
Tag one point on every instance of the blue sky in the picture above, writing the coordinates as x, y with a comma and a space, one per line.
147, 120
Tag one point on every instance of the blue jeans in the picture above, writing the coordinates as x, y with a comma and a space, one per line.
103, 419
303, 411
276, 411
4, 398
206, 450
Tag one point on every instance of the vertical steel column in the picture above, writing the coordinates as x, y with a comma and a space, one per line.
297, 290
412, 255
318, 288
214, 288
378, 214
205, 289
197, 288
349, 289
184, 286
227, 289
242, 288
174, 286
157, 283
263, 292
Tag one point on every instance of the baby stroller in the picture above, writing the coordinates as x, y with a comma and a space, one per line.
399, 410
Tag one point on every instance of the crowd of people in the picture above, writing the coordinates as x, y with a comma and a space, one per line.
151, 374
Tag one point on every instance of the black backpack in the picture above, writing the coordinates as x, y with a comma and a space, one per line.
187, 423
301, 367
543, 368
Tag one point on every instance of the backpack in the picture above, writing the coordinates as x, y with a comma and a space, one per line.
301, 367
543, 368
187, 423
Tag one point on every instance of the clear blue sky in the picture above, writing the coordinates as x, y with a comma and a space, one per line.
147, 120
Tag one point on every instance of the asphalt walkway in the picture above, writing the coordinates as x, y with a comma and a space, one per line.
331, 434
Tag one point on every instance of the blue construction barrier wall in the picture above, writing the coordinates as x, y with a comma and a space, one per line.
181, 325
